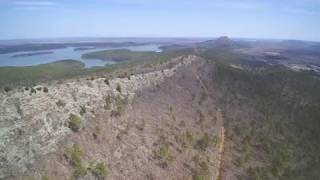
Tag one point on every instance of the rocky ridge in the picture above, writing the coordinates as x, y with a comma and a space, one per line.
34, 120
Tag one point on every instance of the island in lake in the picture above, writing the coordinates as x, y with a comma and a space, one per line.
120, 55
32, 54
83, 48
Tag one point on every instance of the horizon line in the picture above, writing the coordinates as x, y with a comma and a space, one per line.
155, 37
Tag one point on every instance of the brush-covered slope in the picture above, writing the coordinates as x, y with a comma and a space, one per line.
272, 121
161, 124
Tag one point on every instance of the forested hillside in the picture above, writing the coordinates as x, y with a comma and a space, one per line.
273, 122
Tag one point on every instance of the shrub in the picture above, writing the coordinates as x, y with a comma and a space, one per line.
80, 171
206, 141
171, 159
115, 113
203, 97
120, 106
203, 172
101, 170
74, 154
74, 122
18, 108
141, 126
60, 103
180, 139
215, 140
98, 129
107, 81
196, 158
44, 177
164, 155
74, 95
108, 102
190, 138
204, 168
170, 108
33, 91
97, 132
83, 110
182, 123
162, 152
193, 96
119, 88
90, 84
198, 177
45, 89
123, 75
239, 131
201, 116
7, 89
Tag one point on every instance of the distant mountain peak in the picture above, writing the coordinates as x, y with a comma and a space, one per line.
223, 38
223, 41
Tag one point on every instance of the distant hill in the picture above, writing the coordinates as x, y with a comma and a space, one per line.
297, 44
222, 42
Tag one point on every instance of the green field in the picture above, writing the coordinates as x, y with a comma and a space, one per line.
121, 55
13, 76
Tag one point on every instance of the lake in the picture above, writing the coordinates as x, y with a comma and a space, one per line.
43, 57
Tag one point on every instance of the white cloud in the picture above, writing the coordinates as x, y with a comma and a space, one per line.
34, 3
239, 5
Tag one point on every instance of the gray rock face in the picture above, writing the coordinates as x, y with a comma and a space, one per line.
33, 123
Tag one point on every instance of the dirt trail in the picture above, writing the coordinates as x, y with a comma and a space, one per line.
221, 145
219, 124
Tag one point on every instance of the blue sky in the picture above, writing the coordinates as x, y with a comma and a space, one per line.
280, 19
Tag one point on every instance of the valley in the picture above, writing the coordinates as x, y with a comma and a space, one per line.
214, 110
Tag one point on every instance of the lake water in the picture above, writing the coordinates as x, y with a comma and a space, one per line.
65, 53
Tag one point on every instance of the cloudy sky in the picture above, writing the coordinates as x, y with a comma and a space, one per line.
280, 19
